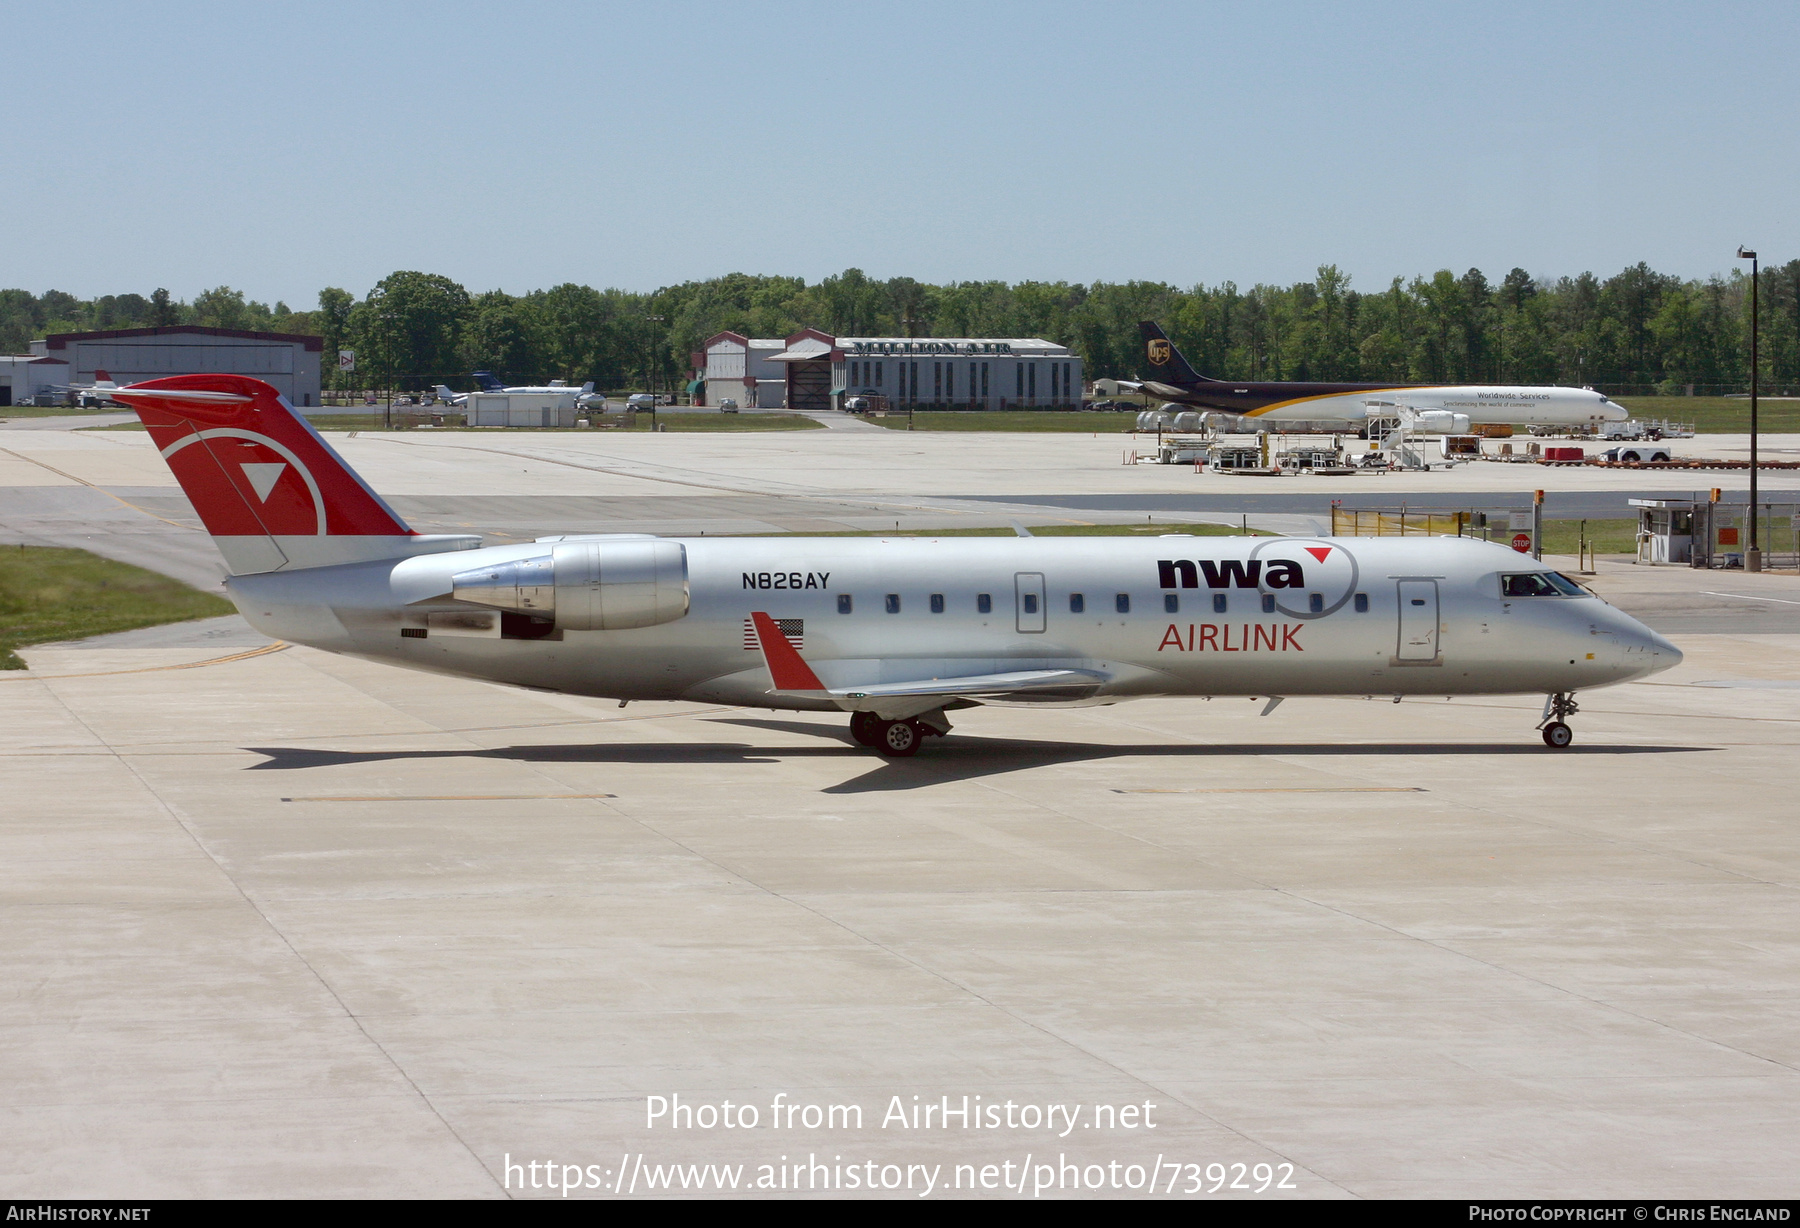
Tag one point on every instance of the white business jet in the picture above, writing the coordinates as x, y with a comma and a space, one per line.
895, 632
584, 395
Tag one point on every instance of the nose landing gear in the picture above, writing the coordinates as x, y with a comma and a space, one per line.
1557, 733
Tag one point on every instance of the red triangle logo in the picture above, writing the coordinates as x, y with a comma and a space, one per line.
1319, 552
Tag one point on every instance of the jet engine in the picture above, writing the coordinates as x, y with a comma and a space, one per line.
587, 586
1437, 422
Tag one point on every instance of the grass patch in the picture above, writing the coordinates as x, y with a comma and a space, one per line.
730, 422
1604, 536
49, 594
1011, 420
1718, 415
53, 411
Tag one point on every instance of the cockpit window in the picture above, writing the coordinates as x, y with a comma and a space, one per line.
1540, 584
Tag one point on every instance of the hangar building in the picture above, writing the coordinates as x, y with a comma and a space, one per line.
813, 370
289, 361
26, 377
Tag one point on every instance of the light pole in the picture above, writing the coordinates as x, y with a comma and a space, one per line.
655, 354
1752, 553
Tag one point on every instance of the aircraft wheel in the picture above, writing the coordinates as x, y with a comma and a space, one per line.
1558, 735
865, 727
899, 739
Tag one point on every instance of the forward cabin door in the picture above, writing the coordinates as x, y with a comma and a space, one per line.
1028, 588
1418, 621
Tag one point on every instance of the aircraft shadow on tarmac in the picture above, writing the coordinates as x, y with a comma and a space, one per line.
944, 761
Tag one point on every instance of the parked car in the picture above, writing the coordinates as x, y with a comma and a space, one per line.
857, 405
728, 406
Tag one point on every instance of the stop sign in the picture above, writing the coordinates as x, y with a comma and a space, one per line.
1522, 542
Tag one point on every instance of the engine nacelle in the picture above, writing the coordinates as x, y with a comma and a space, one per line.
1439, 422
587, 586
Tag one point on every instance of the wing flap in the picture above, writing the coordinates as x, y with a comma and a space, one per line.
974, 686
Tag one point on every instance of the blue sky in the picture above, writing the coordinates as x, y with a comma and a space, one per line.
279, 149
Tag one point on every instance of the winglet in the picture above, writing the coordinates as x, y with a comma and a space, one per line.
790, 672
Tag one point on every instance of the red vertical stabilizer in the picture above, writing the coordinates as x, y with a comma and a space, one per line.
267, 486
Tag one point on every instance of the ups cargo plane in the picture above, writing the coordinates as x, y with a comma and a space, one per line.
895, 632
1430, 407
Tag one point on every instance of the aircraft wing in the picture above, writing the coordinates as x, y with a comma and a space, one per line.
793, 676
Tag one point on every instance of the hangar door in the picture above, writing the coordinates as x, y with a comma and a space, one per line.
809, 385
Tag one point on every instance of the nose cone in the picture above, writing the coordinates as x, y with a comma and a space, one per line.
1646, 652
1667, 655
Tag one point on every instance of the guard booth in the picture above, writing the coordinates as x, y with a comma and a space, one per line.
1667, 529
1714, 535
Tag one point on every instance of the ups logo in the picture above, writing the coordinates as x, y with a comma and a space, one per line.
1159, 351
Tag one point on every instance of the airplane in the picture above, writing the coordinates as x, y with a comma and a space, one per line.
895, 632
448, 397
584, 395
94, 395
1447, 408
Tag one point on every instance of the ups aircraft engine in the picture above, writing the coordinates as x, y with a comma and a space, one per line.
895, 632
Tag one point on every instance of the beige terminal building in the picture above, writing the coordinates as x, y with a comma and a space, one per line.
813, 370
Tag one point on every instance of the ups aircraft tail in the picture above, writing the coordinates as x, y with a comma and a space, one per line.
269, 489
1167, 366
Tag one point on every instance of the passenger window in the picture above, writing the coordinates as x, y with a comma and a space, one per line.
843, 603
1218, 603
1268, 603
937, 603
1122, 603
984, 603
1031, 603
1316, 603
1077, 603
893, 603
1362, 603
1171, 604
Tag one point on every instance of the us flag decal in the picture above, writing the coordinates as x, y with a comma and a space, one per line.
793, 628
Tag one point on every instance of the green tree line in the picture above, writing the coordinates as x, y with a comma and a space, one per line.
1637, 331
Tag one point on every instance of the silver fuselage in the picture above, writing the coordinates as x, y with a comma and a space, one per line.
1435, 621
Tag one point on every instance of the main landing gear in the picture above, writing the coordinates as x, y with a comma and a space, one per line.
897, 739
1557, 733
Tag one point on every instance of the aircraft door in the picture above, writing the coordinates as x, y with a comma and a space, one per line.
1418, 621
1028, 587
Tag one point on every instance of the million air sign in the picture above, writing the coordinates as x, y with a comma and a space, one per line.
862, 348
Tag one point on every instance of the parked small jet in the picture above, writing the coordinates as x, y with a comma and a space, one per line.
896, 632
1428, 407
94, 395
584, 395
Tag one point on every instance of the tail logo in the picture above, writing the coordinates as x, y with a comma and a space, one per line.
262, 477
1159, 351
